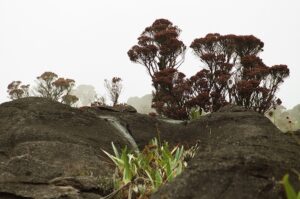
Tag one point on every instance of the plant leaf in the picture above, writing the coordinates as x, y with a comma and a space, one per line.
115, 150
289, 190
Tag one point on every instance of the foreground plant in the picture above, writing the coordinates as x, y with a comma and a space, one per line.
289, 190
139, 174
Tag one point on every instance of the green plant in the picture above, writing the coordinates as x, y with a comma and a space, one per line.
139, 174
289, 190
195, 113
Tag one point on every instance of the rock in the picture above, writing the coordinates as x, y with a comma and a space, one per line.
49, 150
125, 108
117, 108
42, 140
82, 183
242, 155
233, 108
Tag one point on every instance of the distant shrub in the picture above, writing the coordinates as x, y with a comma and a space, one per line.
51, 86
114, 89
16, 90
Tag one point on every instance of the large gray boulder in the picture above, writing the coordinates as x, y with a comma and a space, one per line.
51, 151
242, 155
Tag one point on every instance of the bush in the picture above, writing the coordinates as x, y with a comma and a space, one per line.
16, 91
140, 174
233, 73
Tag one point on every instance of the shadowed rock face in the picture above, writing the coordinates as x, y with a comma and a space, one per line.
49, 150
42, 142
242, 155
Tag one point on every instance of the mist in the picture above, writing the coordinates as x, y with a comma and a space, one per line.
285, 119
86, 95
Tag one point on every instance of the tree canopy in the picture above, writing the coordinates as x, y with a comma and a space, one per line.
233, 72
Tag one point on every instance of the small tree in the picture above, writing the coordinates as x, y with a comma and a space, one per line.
159, 47
161, 52
114, 88
234, 73
16, 91
58, 89
45, 86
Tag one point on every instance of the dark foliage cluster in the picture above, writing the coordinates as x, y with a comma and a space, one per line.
159, 47
233, 72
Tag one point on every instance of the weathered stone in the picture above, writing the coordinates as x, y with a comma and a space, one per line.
49, 150
242, 155
42, 140
118, 108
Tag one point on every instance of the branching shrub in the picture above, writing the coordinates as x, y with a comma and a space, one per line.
49, 85
159, 47
114, 88
235, 74
233, 71
16, 90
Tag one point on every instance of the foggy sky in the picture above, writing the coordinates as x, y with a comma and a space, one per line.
88, 40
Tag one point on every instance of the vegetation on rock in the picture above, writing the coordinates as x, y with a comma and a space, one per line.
114, 88
49, 85
289, 189
233, 72
16, 90
140, 174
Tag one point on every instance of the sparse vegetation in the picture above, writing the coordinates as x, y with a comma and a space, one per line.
139, 174
289, 189
114, 89
49, 85
16, 90
195, 113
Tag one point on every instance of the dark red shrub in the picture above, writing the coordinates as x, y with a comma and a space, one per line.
158, 47
235, 74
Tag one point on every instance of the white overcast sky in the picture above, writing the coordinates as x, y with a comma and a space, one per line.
88, 40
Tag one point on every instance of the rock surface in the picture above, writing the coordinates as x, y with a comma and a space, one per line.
49, 150
42, 140
242, 155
